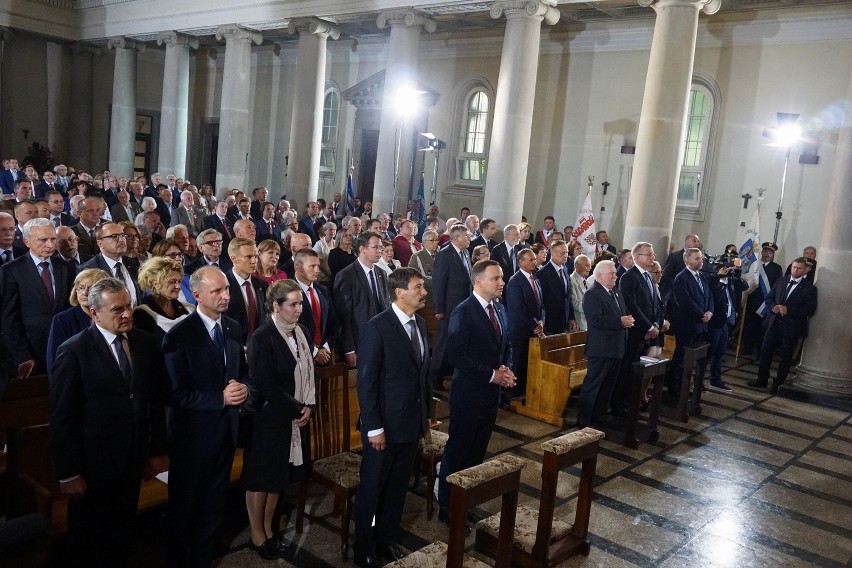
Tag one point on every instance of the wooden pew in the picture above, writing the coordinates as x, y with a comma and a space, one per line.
25, 402
33, 487
556, 367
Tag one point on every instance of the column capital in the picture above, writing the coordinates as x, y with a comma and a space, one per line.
313, 26
174, 38
707, 6
406, 18
233, 31
541, 8
122, 42
79, 47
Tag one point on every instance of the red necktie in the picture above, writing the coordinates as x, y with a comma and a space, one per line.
494, 323
48, 281
315, 308
227, 229
535, 294
251, 308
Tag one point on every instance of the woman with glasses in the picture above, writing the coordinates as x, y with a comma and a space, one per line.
75, 319
480, 253
170, 248
131, 233
160, 310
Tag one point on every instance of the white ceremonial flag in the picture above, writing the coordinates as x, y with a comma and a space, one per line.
584, 229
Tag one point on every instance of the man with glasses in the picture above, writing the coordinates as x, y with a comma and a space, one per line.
89, 212
424, 260
210, 248
112, 243
56, 208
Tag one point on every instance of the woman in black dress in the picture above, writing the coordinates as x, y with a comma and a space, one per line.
161, 277
342, 255
281, 366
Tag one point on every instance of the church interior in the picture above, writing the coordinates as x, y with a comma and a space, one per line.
662, 110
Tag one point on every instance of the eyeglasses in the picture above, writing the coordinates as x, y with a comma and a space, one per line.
213, 243
115, 237
174, 255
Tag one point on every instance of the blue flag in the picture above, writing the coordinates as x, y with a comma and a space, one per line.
350, 196
420, 210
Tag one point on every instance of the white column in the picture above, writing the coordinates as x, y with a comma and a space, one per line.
80, 115
232, 158
122, 131
662, 124
400, 73
4, 36
55, 96
306, 125
174, 113
508, 156
826, 358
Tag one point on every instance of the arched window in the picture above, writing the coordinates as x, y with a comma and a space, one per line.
330, 116
701, 121
471, 158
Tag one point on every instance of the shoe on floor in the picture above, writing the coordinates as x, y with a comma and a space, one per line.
721, 388
757, 385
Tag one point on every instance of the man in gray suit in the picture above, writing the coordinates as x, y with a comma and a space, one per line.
125, 210
424, 259
186, 214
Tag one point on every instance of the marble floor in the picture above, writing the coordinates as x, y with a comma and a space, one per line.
758, 480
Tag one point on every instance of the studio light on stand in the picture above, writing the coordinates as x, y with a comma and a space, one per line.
785, 135
406, 103
434, 145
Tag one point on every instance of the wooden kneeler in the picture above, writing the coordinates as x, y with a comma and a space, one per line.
500, 477
538, 539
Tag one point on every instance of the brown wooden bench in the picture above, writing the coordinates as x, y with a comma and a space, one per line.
33, 487
556, 366
25, 402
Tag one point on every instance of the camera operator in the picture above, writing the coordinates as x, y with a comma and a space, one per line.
727, 287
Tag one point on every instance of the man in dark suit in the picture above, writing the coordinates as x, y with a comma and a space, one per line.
451, 284
317, 310
207, 370
125, 209
24, 211
487, 230
8, 177
395, 400
66, 247
753, 330
259, 197
112, 243
307, 223
640, 295
209, 244
625, 263
9, 251
609, 322
165, 207
506, 253
56, 208
219, 221
554, 278
526, 315
360, 292
35, 287
267, 226
791, 302
248, 292
479, 351
90, 217
542, 236
727, 288
674, 265
186, 214
106, 422
809, 254
693, 309
602, 244
48, 183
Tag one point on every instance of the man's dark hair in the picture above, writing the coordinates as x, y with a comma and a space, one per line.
486, 223
302, 254
598, 234
480, 267
550, 217
400, 278
364, 240
802, 260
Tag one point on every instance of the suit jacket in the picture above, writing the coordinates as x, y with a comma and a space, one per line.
524, 312
119, 213
237, 308
480, 240
101, 426
424, 262
672, 267
225, 264
500, 253
801, 304
131, 264
393, 390
735, 286
450, 281
7, 180
556, 298
87, 244
197, 374
213, 222
642, 305
164, 212
577, 293
306, 225
474, 352
691, 302
327, 320
263, 233
67, 220
402, 249
255, 210
42, 188
354, 302
26, 310
606, 337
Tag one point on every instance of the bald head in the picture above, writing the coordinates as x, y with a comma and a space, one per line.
299, 241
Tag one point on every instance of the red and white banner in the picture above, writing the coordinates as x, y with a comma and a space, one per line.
584, 230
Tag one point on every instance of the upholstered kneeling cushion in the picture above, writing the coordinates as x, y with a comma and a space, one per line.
526, 524
343, 469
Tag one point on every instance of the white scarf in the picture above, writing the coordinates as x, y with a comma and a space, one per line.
303, 376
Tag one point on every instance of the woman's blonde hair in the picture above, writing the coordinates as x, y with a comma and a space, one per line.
156, 270
90, 274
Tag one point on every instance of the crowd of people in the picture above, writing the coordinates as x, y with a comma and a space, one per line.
169, 321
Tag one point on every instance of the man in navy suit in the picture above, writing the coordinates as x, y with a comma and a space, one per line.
306, 224
478, 348
208, 372
35, 287
609, 322
209, 242
554, 278
112, 242
267, 226
219, 221
526, 315
395, 399
506, 253
248, 292
317, 311
450, 286
791, 302
693, 308
8, 177
360, 292
487, 230
107, 426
